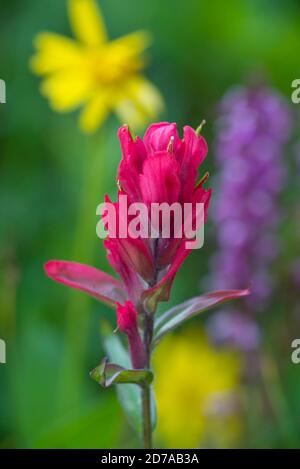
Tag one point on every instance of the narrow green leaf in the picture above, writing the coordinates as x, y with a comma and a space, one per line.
107, 374
190, 308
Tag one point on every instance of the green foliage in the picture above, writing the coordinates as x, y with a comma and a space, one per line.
199, 50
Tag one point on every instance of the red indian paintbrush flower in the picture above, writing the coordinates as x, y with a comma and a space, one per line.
160, 169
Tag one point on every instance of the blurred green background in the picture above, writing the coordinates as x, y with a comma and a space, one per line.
200, 49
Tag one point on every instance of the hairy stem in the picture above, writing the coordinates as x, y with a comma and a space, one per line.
147, 425
146, 390
148, 335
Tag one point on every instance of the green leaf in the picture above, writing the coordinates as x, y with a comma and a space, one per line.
129, 395
107, 374
190, 308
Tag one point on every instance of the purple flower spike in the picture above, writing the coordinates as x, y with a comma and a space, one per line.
252, 129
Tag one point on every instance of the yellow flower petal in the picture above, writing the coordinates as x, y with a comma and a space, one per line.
139, 103
131, 45
55, 52
67, 89
94, 113
123, 57
87, 22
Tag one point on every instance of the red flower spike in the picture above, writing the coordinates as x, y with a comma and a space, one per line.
163, 169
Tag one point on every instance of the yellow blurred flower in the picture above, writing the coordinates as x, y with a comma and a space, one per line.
197, 388
95, 74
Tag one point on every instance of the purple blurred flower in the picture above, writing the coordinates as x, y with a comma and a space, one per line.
253, 128
235, 329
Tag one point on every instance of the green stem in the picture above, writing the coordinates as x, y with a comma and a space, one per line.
147, 425
146, 389
148, 335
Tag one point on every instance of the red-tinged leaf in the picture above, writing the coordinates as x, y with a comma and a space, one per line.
82, 277
181, 313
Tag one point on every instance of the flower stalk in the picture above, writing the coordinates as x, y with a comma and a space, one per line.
147, 424
146, 390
